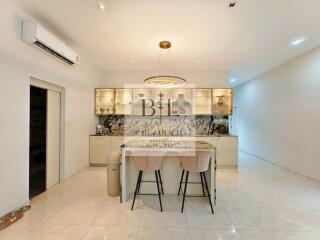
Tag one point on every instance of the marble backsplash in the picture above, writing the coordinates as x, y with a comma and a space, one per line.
166, 126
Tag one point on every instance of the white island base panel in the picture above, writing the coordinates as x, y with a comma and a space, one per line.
170, 174
226, 148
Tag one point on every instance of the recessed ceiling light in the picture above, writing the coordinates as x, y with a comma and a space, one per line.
297, 42
233, 4
233, 80
101, 6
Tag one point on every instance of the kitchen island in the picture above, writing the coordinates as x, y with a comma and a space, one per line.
171, 170
101, 146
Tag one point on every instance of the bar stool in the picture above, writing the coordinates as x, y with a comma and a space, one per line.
197, 163
148, 161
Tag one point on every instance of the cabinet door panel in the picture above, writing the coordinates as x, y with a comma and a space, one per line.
227, 159
99, 149
202, 102
221, 101
123, 101
225, 143
104, 101
116, 143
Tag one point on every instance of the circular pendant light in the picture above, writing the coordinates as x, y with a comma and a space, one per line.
165, 81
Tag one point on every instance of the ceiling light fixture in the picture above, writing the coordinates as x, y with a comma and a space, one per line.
233, 80
233, 4
101, 6
297, 42
165, 81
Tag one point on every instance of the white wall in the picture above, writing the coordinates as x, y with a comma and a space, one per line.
18, 62
201, 78
279, 115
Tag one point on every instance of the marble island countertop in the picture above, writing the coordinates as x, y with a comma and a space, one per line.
186, 144
121, 135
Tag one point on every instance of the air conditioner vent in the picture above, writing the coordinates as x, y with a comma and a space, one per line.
49, 50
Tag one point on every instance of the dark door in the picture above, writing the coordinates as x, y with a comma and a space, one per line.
37, 148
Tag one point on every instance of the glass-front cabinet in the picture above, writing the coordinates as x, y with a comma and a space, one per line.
150, 101
123, 102
140, 97
104, 101
181, 101
222, 101
202, 103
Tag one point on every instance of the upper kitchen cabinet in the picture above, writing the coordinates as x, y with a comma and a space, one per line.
123, 101
181, 101
155, 101
140, 96
202, 101
104, 101
221, 101
161, 101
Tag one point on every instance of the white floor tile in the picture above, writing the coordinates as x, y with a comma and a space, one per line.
110, 233
162, 233
258, 201
267, 235
206, 234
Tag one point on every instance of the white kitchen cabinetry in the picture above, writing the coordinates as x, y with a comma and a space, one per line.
102, 146
116, 143
227, 150
99, 150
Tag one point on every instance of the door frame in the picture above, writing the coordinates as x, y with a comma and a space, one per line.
53, 87
237, 117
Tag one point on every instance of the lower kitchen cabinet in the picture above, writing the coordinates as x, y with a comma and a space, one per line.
99, 150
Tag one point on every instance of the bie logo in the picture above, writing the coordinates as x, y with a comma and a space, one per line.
153, 106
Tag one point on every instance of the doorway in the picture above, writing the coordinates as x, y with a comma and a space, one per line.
45, 138
37, 141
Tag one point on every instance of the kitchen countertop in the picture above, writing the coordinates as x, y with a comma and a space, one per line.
118, 135
187, 144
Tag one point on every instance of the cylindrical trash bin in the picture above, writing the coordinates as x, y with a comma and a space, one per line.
113, 174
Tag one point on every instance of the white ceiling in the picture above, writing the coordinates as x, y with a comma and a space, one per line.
247, 40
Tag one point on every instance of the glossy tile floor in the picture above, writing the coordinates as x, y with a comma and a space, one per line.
259, 201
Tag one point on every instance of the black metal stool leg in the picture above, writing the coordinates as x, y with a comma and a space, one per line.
160, 181
202, 184
159, 194
182, 174
136, 190
209, 196
185, 190
140, 180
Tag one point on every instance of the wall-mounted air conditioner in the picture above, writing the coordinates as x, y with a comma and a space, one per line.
37, 35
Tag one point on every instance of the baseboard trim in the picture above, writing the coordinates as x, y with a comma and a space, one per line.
278, 165
98, 164
227, 166
16, 208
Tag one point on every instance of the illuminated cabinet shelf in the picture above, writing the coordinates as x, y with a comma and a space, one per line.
222, 101
182, 101
202, 102
138, 96
123, 101
104, 101
150, 101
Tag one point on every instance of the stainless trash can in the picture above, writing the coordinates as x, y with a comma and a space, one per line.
113, 168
